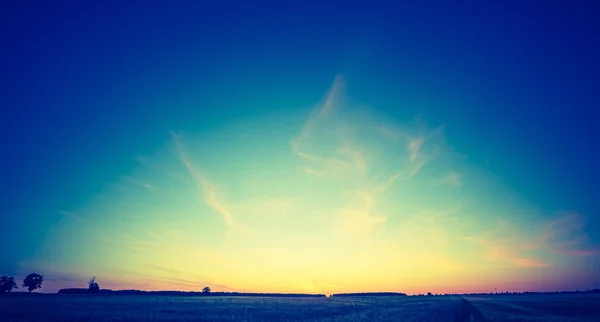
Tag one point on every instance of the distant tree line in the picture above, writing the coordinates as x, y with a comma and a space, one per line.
34, 281
509, 293
183, 293
368, 294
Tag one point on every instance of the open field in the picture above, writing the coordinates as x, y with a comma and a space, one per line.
57, 307
551, 307
54, 307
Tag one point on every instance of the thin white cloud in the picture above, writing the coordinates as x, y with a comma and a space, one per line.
414, 146
138, 182
67, 213
452, 178
565, 235
418, 156
209, 194
366, 152
510, 243
328, 164
359, 218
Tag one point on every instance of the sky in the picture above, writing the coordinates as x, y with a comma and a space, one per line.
293, 147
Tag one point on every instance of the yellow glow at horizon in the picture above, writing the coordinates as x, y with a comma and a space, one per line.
345, 202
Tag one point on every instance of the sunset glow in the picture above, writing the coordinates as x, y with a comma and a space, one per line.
291, 151
344, 201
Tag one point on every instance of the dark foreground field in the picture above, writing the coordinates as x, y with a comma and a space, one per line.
54, 307
551, 307
157, 308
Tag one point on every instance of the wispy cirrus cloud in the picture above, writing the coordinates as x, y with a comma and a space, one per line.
67, 214
414, 146
354, 200
422, 150
368, 155
506, 251
561, 236
527, 262
565, 235
359, 217
138, 182
337, 161
451, 178
271, 206
207, 189
166, 269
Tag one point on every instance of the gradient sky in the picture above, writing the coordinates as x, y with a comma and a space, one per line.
290, 147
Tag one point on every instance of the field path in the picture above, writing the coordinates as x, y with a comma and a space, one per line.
469, 313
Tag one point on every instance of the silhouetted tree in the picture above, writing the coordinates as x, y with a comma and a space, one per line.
7, 284
33, 281
429, 294
206, 290
93, 287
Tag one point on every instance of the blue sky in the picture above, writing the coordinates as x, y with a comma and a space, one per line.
89, 90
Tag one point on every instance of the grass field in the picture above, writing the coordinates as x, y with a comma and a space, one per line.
40, 307
55, 307
551, 307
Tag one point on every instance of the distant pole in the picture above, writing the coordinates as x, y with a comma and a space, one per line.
496, 290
